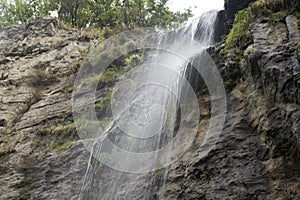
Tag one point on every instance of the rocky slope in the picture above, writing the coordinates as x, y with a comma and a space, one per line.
256, 157
38, 62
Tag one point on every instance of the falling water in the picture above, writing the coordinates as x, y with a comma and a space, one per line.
147, 119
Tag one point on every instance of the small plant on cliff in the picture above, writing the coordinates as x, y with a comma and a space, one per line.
205, 176
134, 60
43, 132
9, 151
159, 173
65, 146
298, 50
65, 135
278, 15
239, 35
41, 78
84, 52
297, 14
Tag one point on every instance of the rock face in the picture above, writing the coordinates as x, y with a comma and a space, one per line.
272, 67
38, 62
256, 157
258, 154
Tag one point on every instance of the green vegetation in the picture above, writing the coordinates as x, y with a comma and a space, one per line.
119, 67
297, 14
40, 78
57, 138
103, 105
5, 132
15, 12
9, 151
84, 52
278, 15
65, 146
43, 132
204, 176
205, 117
65, 136
159, 173
134, 60
104, 14
298, 50
239, 37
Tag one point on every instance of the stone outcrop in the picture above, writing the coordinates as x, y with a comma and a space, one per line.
258, 154
37, 68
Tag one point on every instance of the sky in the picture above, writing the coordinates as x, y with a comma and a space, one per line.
201, 5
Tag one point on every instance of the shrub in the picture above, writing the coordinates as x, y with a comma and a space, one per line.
43, 132
65, 146
103, 104
239, 35
297, 14
65, 135
9, 151
84, 52
41, 78
278, 15
133, 60
298, 51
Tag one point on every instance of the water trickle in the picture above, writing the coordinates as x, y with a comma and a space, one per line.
146, 119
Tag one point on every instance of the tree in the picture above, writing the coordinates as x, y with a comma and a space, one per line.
112, 14
160, 15
15, 12
19, 11
105, 13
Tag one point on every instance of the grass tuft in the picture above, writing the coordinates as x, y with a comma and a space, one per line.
7, 152
297, 52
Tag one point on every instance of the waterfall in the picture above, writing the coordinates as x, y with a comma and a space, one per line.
147, 104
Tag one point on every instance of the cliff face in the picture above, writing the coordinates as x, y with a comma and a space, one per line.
37, 69
256, 157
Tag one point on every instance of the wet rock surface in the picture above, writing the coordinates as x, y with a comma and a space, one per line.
37, 69
258, 154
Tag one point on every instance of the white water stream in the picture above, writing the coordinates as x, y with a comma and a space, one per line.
147, 104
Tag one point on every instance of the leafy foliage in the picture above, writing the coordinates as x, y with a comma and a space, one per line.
239, 34
19, 11
40, 78
43, 132
298, 51
109, 14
